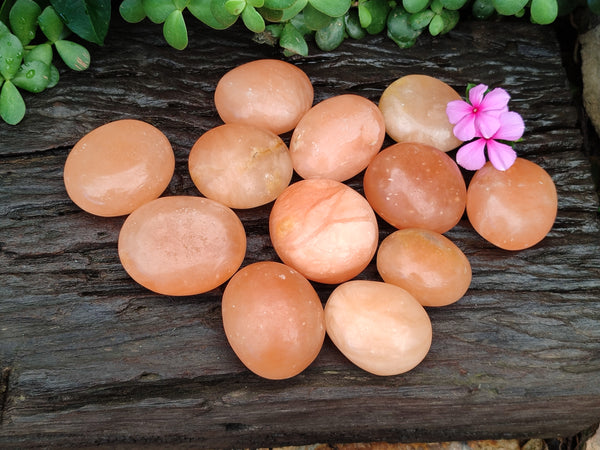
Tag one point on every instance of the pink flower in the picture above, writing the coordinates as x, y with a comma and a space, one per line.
471, 156
480, 117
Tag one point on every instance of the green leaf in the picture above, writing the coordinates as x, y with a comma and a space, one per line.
483, 9
257, 3
450, 18
74, 55
271, 15
5, 7
12, 106
158, 10
594, 6
132, 11
330, 37
23, 19
278, 4
364, 15
180, 4
201, 10
41, 52
414, 6
298, 22
399, 29
54, 77
11, 55
33, 76
293, 10
292, 40
353, 25
88, 19
4, 29
175, 31
436, 26
509, 7
333, 8
235, 7
543, 12
453, 5
252, 19
315, 19
420, 20
220, 12
379, 10
50, 24
436, 6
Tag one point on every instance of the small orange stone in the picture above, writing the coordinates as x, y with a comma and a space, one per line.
182, 245
425, 263
324, 229
414, 108
118, 167
416, 186
266, 93
240, 165
337, 138
513, 209
273, 319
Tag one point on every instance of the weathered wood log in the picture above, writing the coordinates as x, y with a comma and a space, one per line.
90, 357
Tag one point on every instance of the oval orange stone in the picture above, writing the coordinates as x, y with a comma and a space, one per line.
182, 245
118, 167
414, 108
266, 93
416, 186
337, 138
513, 209
240, 165
378, 326
426, 264
273, 319
324, 229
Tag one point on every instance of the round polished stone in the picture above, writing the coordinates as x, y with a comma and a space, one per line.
273, 319
416, 186
337, 138
513, 209
324, 229
378, 326
118, 167
182, 245
414, 108
426, 264
239, 165
267, 93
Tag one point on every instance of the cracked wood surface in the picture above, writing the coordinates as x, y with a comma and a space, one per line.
89, 357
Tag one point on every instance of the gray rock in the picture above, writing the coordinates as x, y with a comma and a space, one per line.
590, 70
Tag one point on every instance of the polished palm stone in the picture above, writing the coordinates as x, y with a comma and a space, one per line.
426, 264
324, 229
414, 108
378, 326
273, 319
267, 93
337, 138
239, 165
182, 245
513, 209
118, 167
416, 186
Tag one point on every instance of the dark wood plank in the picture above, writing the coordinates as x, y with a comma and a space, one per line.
89, 357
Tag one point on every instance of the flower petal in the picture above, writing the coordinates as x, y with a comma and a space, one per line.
487, 124
501, 156
457, 109
476, 94
471, 156
511, 128
465, 129
495, 100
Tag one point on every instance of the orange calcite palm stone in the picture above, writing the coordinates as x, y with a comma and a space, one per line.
416, 186
118, 167
414, 108
378, 326
273, 319
513, 209
267, 93
182, 245
426, 264
324, 229
240, 165
337, 138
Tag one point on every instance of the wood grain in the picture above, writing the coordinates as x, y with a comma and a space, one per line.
89, 357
